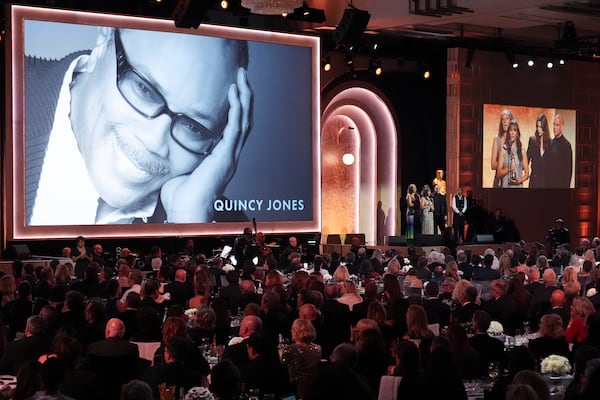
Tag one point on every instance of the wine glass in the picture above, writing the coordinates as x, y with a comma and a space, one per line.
494, 371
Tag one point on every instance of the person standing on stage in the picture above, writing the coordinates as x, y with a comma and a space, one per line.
459, 206
440, 211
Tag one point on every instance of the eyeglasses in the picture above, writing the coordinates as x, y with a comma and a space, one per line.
144, 98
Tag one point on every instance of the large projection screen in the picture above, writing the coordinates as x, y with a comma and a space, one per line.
122, 126
546, 138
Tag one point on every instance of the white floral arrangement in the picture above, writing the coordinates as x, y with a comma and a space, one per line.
198, 393
190, 313
495, 328
555, 365
406, 268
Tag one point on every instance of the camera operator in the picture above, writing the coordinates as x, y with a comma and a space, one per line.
558, 235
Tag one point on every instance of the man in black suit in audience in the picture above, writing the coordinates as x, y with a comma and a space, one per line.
179, 289
540, 299
502, 307
337, 320
557, 306
133, 302
464, 265
114, 359
237, 351
29, 348
464, 312
437, 311
490, 349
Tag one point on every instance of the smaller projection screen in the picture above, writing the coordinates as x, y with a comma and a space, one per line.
528, 147
121, 126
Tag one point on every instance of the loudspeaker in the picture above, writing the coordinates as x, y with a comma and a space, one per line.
484, 239
17, 252
397, 240
430, 240
351, 27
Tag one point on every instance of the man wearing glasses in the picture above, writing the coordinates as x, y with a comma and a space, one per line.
149, 126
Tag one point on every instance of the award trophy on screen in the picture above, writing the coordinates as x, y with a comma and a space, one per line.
512, 168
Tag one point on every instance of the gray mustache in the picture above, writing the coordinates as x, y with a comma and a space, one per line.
142, 158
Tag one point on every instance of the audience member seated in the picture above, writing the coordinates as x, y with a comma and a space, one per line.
502, 308
30, 347
302, 358
114, 360
489, 348
18, 310
467, 361
180, 291
263, 357
581, 308
552, 339
174, 373
464, 311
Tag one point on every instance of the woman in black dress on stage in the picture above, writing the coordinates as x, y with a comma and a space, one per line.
538, 145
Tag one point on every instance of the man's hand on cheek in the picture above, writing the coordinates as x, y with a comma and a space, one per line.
190, 198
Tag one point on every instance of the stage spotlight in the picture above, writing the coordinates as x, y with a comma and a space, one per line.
550, 64
375, 67
531, 61
426, 73
224, 4
561, 61
326, 63
512, 60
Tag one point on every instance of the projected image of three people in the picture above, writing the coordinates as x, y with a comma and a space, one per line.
546, 162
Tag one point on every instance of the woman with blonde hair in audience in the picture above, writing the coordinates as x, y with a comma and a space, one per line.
569, 275
394, 267
302, 357
552, 339
341, 274
452, 271
580, 309
349, 295
8, 288
505, 266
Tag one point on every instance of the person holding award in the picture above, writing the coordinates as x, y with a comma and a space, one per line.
513, 165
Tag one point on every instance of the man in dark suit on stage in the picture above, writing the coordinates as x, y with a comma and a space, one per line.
560, 160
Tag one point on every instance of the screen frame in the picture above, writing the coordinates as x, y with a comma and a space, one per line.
14, 161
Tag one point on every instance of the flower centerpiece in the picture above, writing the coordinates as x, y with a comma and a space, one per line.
555, 365
556, 371
198, 393
495, 329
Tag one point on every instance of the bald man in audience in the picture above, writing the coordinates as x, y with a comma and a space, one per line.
249, 294
236, 351
180, 290
114, 359
558, 302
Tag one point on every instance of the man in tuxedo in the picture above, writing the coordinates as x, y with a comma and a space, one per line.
437, 311
236, 351
459, 206
464, 265
540, 300
490, 349
114, 359
180, 290
464, 312
29, 348
501, 307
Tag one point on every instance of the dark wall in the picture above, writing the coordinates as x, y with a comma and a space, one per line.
575, 85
